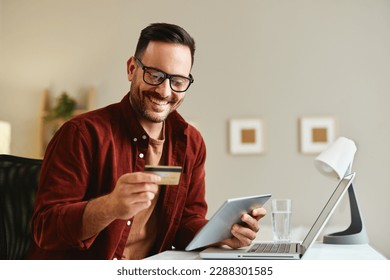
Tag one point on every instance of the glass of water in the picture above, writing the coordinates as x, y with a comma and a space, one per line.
281, 220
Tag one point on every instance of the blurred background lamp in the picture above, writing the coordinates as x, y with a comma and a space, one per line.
336, 161
5, 137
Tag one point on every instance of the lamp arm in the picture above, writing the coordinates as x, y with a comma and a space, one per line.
356, 232
356, 219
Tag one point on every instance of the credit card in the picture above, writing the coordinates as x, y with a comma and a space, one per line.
170, 175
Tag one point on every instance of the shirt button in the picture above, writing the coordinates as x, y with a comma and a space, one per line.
135, 139
144, 137
128, 223
141, 155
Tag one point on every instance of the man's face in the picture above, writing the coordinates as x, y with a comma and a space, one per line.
154, 103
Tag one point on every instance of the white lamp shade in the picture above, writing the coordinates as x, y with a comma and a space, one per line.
337, 159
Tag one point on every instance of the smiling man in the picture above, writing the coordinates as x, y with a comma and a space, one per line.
95, 201
154, 95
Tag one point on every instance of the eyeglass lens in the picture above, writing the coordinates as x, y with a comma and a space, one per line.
155, 77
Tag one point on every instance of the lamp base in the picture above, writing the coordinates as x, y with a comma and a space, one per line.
345, 237
356, 232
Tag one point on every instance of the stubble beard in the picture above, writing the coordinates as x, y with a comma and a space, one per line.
139, 106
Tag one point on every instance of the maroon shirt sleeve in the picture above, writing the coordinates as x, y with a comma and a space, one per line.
60, 201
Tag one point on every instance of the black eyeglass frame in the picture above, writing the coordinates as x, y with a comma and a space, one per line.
166, 76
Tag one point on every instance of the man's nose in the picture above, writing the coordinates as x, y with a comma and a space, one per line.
164, 89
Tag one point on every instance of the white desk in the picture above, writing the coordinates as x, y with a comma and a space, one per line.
321, 251
318, 251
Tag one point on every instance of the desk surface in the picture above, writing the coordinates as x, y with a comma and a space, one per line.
319, 251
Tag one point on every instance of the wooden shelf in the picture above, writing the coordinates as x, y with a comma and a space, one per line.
48, 128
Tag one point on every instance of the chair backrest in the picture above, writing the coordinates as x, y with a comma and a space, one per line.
19, 178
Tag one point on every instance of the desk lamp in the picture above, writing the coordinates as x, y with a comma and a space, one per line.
336, 161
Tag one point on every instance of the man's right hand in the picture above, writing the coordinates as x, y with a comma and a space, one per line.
133, 192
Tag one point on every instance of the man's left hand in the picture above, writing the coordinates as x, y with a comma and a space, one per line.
244, 234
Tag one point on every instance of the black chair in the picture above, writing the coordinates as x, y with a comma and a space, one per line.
19, 178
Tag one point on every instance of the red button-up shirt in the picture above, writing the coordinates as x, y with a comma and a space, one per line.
85, 159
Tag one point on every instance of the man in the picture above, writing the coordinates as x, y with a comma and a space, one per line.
95, 201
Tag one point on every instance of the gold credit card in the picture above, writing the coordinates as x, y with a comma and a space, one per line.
170, 175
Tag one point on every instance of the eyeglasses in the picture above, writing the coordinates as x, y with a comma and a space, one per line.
154, 77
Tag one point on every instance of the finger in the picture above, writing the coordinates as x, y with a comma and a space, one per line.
131, 205
244, 231
129, 189
140, 197
251, 222
244, 237
139, 206
258, 213
140, 177
127, 206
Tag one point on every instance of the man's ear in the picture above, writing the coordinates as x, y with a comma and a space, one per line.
130, 68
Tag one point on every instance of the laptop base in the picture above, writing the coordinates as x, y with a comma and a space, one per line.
223, 253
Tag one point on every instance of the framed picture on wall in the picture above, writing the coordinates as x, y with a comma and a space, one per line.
246, 136
316, 133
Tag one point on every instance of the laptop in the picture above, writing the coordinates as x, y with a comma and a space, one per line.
286, 251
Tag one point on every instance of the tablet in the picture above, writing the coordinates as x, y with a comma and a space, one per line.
219, 226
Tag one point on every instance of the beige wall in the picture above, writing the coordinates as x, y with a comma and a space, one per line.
278, 60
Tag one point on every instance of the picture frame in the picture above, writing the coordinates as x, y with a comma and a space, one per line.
246, 136
316, 133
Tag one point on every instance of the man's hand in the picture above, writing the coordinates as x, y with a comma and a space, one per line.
133, 192
243, 235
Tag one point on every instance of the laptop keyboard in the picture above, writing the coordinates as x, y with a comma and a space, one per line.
270, 248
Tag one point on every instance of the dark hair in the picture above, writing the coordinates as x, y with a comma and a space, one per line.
164, 32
